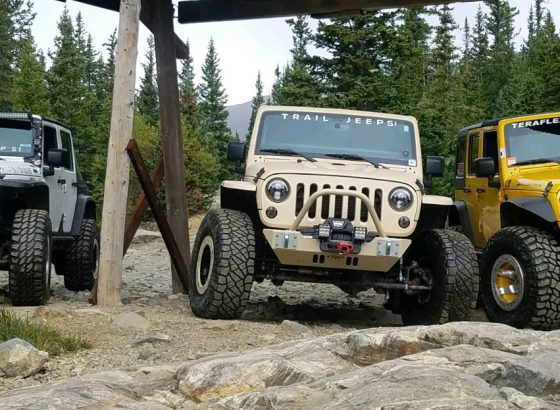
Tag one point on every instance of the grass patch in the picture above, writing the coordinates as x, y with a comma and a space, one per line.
43, 337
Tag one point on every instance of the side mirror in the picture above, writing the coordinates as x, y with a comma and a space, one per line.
484, 167
56, 156
434, 168
236, 153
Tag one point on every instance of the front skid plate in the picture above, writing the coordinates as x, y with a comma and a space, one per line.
293, 248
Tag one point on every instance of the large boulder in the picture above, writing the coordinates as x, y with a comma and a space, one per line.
20, 358
458, 365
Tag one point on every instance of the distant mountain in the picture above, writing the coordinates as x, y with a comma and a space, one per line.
239, 118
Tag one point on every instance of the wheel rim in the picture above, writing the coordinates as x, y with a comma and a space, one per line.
204, 264
47, 264
508, 282
95, 261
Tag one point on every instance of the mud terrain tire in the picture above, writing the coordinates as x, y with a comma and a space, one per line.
536, 252
450, 258
223, 263
30, 258
80, 262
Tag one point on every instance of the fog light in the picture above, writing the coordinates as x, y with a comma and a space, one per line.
271, 212
360, 233
404, 222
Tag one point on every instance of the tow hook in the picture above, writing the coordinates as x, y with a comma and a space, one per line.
345, 248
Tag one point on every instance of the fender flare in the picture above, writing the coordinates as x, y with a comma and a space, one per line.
539, 207
85, 207
462, 214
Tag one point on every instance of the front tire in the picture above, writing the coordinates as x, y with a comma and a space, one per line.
223, 264
81, 260
30, 258
520, 270
448, 259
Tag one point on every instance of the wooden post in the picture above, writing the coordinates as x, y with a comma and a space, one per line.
172, 138
116, 180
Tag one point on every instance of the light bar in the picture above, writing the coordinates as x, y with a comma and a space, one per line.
15, 115
324, 231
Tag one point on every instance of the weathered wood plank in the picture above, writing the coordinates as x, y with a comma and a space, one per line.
223, 10
116, 180
168, 237
141, 206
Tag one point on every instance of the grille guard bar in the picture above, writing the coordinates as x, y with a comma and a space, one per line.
338, 192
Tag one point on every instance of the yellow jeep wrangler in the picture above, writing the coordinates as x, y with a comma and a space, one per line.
507, 201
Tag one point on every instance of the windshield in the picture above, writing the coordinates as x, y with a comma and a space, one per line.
533, 141
376, 139
16, 138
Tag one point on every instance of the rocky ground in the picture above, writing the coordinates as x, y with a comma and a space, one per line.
154, 327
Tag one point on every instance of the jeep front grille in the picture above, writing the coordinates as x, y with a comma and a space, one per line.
338, 206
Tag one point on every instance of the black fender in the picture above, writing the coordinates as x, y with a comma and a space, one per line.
85, 209
527, 211
459, 216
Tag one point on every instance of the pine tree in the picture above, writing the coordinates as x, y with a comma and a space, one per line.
29, 89
16, 17
147, 101
257, 101
353, 75
275, 97
501, 26
65, 75
188, 95
212, 108
299, 87
409, 60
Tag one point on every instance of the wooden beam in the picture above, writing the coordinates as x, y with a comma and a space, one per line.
116, 180
171, 133
176, 255
202, 11
181, 48
141, 206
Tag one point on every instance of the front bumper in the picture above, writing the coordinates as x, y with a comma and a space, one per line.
292, 248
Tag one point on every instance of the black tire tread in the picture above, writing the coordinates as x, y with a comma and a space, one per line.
457, 256
27, 276
541, 309
77, 263
234, 265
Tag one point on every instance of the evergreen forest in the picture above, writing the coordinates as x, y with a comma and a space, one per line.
405, 61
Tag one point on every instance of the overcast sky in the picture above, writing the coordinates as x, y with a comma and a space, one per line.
244, 47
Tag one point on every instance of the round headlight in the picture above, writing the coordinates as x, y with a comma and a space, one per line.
277, 190
400, 199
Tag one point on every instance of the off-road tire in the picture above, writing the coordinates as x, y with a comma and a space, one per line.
227, 238
30, 258
537, 252
81, 260
451, 259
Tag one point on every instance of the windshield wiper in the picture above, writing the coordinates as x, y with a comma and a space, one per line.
537, 161
354, 157
286, 151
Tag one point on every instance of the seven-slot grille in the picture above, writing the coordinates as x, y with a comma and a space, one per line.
338, 206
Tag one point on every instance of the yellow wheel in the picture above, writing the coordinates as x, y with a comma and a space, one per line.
509, 282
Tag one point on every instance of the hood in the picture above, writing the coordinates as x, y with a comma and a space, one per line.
536, 180
18, 168
338, 168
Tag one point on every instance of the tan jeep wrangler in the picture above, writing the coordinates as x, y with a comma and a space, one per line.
334, 196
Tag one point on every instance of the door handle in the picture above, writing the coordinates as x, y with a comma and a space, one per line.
480, 190
61, 181
467, 190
